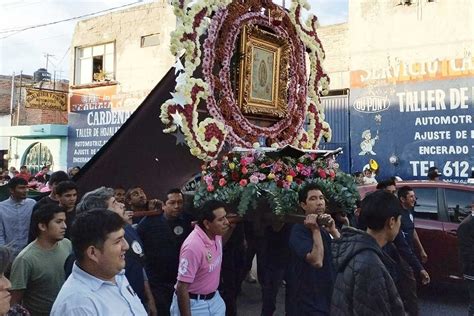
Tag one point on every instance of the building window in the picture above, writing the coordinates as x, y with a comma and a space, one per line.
37, 156
95, 63
150, 40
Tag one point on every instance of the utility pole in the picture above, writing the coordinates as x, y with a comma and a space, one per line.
19, 100
47, 55
12, 98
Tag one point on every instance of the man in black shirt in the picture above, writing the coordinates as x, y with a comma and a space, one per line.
276, 267
66, 192
407, 198
466, 252
137, 202
162, 238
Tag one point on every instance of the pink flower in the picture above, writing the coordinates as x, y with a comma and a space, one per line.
253, 179
306, 171
222, 182
261, 176
210, 188
244, 170
243, 182
249, 159
208, 179
213, 163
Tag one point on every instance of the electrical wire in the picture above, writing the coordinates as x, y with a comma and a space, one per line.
16, 31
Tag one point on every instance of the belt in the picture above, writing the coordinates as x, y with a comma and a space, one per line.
202, 296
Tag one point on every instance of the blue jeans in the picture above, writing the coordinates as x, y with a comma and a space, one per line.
212, 307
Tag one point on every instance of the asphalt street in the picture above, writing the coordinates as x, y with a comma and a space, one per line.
433, 301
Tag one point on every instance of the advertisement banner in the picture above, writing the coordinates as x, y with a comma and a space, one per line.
409, 127
93, 119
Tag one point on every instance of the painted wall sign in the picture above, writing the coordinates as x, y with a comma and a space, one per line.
94, 117
46, 100
428, 124
371, 104
399, 71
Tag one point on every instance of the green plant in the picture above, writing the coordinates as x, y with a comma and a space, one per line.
242, 178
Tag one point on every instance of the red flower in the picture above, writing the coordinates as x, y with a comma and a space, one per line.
292, 173
222, 182
298, 181
243, 182
332, 174
322, 173
210, 188
244, 170
280, 183
235, 176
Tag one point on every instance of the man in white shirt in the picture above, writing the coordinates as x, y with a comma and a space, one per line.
97, 285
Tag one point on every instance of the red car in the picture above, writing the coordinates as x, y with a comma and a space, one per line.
440, 207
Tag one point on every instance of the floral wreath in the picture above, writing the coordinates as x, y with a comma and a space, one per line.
207, 35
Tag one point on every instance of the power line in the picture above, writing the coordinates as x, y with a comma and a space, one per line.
16, 31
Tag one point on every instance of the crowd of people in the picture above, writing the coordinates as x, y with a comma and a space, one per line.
36, 181
117, 252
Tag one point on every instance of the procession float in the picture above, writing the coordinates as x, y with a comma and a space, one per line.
249, 78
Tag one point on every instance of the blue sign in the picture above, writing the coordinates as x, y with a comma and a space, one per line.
407, 128
89, 130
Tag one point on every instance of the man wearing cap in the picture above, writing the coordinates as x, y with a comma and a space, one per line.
200, 262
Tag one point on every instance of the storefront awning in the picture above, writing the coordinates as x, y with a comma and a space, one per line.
34, 131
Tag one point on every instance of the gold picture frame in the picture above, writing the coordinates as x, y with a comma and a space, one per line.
263, 73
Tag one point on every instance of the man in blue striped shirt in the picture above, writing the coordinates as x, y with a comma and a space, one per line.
15, 215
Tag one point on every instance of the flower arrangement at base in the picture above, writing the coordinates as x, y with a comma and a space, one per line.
245, 177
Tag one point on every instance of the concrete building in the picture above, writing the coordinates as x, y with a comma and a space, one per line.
33, 120
118, 59
394, 64
409, 69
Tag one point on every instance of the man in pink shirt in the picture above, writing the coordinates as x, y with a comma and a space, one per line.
200, 262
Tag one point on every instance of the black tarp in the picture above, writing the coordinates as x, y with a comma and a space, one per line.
140, 154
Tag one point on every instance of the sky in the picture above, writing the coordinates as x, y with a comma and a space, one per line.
25, 51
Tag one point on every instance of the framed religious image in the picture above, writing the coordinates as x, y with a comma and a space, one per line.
263, 73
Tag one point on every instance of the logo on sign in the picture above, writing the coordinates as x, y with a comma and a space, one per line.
371, 104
